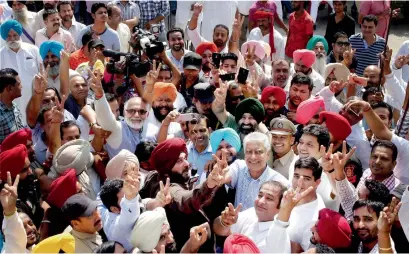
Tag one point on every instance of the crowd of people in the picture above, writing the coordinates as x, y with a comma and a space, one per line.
219, 127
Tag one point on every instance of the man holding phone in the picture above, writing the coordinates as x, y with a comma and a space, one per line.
207, 51
203, 98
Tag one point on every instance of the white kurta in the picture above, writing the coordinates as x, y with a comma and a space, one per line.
124, 33
256, 34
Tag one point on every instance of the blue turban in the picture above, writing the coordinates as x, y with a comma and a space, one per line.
54, 46
227, 134
315, 39
10, 24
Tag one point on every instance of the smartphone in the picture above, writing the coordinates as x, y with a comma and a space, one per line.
216, 59
227, 77
187, 117
358, 80
243, 75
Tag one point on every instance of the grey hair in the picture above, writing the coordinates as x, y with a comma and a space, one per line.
147, 105
257, 137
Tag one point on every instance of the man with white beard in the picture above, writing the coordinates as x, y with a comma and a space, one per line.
21, 57
319, 45
26, 19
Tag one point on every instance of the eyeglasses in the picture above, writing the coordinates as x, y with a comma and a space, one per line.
133, 111
343, 43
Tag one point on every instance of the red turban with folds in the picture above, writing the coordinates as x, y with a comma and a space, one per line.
62, 188
333, 229
19, 137
166, 154
261, 14
337, 125
13, 160
275, 91
204, 46
237, 243
308, 57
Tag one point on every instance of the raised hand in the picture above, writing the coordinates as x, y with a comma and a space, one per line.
198, 235
250, 89
197, 9
337, 86
171, 117
327, 158
41, 80
153, 74
100, 132
348, 56
387, 216
64, 56
8, 195
93, 57
161, 251
230, 215
131, 184
401, 61
95, 83
220, 92
164, 196
292, 197
339, 161
237, 28
217, 175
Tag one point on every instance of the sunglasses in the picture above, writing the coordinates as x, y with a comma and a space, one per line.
133, 111
240, 97
342, 43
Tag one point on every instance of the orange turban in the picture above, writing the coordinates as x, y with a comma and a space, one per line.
308, 57
161, 88
204, 46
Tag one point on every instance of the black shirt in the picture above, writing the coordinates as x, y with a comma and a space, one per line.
331, 59
188, 93
346, 25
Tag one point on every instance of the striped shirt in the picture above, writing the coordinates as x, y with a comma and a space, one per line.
150, 9
366, 55
128, 11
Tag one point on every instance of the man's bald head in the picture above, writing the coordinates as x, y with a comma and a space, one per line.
372, 72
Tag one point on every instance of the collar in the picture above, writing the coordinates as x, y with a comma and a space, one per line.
262, 177
190, 146
264, 226
286, 157
85, 236
4, 106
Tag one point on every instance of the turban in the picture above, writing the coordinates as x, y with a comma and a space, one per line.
261, 14
206, 46
333, 229
161, 88
10, 3
314, 40
116, 165
259, 48
275, 91
8, 25
19, 137
13, 160
308, 57
341, 72
54, 47
166, 154
227, 134
251, 106
74, 154
237, 243
54, 244
62, 188
337, 125
147, 230
309, 108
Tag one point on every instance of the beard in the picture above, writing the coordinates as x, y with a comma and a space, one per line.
219, 43
177, 47
171, 248
14, 44
320, 64
21, 16
157, 112
54, 70
206, 67
67, 18
180, 178
246, 128
133, 125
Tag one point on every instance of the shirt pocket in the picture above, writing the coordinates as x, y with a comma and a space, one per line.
30, 65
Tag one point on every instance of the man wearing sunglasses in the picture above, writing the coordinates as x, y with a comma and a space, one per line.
341, 45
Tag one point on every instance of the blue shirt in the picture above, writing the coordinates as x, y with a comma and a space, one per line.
109, 37
247, 188
198, 160
366, 55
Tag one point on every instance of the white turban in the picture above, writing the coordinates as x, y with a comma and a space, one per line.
117, 164
341, 72
147, 230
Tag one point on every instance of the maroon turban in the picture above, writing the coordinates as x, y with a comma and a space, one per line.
19, 137
166, 154
333, 229
275, 91
13, 160
237, 243
337, 125
261, 14
62, 188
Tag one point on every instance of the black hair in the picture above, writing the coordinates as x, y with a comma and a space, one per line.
106, 247
370, 91
10, 3
339, 35
276, 184
55, 90
7, 78
97, 6
371, 18
64, 3
387, 144
371, 205
383, 104
222, 26
109, 191
144, 149
165, 67
186, 110
323, 248
43, 110
230, 56
312, 164
378, 191
87, 37
110, 97
48, 12
175, 30
90, 44
343, 2
193, 122
320, 132
302, 79
68, 124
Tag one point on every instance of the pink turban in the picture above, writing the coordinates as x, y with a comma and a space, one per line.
259, 48
307, 57
237, 243
307, 109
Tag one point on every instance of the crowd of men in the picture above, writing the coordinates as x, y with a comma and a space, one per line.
221, 127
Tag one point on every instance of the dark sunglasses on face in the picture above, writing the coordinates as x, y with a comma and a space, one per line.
342, 43
133, 111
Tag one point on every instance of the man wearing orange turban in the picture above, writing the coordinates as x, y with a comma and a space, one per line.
205, 50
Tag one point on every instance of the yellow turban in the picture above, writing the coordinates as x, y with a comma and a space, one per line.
161, 88
56, 243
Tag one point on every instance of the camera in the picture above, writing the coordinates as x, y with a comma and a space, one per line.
147, 42
132, 64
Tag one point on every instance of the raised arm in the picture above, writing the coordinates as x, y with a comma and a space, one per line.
64, 73
218, 105
34, 104
193, 33
54, 134
236, 34
222, 224
150, 80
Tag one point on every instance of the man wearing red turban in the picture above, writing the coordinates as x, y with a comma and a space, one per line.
169, 159
339, 128
20, 137
273, 99
205, 49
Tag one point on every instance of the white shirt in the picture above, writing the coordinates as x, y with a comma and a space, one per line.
178, 63
152, 126
403, 51
197, 39
30, 28
302, 218
27, 63
248, 224
256, 34
401, 171
14, 235
39, 20
179, 102
74, 29
124, 33
404, 212
316, 78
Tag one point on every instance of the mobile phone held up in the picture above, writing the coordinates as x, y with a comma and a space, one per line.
227, 76
243, 75
187, 117
216, 60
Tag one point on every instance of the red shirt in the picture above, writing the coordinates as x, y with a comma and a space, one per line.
77, 58
300, 31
